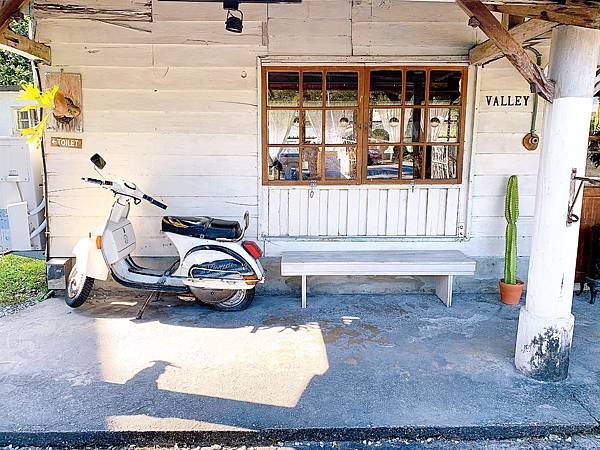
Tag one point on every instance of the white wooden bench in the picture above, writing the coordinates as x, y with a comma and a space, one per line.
443, 265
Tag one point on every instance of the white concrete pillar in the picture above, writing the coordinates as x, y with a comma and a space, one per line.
546, 323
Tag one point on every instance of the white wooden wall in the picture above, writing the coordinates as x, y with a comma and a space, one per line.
174, 106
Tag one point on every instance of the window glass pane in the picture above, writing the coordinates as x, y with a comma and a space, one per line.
311, 163
339, 126
442, 160
382, 162
415, 87
312, 88
313, 127
593, 161
283, 126
283, 88
444, 125
412, 162
384, 125
283, 163
413, 124
444, 87
340, 163
385, 87
342, 89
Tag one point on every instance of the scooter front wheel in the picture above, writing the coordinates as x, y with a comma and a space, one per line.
79, 288
233, 301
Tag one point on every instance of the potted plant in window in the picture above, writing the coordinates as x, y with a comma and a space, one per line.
511, 288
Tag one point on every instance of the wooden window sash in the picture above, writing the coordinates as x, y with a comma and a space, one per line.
362, 111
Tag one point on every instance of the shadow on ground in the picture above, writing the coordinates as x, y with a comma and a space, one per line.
345, 362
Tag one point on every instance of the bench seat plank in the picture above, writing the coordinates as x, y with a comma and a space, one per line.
387, 262
443, 264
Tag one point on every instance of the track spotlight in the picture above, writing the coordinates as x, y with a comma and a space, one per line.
235, 18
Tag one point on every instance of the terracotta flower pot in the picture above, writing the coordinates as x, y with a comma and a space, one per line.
510, 294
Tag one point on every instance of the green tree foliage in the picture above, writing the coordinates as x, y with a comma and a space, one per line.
15, 69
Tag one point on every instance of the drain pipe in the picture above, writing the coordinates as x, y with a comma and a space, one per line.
531, 139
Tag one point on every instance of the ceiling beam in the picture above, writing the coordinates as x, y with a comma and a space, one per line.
22, 45
513, 51
8, 9
488, 51
582, 16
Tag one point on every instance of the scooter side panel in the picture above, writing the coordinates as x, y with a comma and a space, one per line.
118, 240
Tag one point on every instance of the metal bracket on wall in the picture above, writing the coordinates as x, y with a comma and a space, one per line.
574, 193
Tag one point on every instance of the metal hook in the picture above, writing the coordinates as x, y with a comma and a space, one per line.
574, 194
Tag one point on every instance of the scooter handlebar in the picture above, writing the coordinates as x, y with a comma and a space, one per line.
97, 181
155, 202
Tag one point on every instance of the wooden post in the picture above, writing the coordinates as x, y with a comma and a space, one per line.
546, 323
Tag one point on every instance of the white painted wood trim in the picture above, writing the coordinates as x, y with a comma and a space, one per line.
443, 288
471, 127
303, 291
358, 60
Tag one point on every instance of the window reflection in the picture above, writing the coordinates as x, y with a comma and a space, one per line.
385, 87
342, 89
312, 88
313, 127
412, 162
384, 125
339, 126
443, 162
443, 125
444, 87
283, 88
413, 124
340, 163
383, 162
283, 126
283, 163
311, 163
593, 161
415, 87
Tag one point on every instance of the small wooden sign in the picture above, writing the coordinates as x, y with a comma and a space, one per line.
56, 141
70, 88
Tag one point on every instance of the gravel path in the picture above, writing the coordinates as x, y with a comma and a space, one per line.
12, 309
580, 442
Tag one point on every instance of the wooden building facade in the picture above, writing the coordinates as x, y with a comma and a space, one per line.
179, 105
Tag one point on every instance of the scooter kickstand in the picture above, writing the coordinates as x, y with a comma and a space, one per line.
148, 299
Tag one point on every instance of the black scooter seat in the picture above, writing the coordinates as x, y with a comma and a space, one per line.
202, 227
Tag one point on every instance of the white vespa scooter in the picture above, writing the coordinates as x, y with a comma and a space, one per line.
215, 264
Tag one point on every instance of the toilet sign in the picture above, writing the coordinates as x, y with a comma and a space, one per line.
56, 141
507, 100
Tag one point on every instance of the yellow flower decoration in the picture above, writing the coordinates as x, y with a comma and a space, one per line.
43, 100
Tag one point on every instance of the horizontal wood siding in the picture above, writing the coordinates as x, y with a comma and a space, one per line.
499, 153
171, 105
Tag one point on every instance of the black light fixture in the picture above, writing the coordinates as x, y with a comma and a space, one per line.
235, 18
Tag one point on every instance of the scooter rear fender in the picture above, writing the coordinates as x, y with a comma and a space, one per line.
90, 260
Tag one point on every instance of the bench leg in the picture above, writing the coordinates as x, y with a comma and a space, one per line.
303, 291
443, 288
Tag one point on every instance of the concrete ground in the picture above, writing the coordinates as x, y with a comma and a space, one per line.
380, 365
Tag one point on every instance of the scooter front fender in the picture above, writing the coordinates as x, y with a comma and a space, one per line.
89, 259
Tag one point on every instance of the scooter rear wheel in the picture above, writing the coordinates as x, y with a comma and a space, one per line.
236, 301
79, 288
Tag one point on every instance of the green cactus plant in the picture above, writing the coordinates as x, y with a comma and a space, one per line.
511, 212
